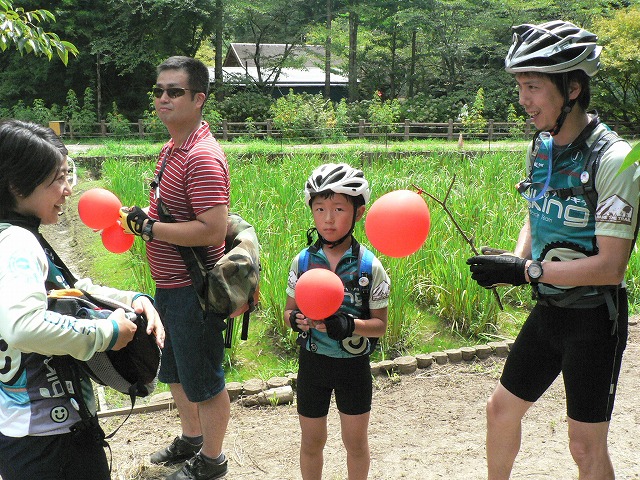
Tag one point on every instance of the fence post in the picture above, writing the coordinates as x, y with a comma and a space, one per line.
406, 129
269, 127
490, 130
103, 128
450, 130
527, 127
361, 128
141, 128
225, 129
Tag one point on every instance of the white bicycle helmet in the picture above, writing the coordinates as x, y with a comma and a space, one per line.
553, 47
337, 178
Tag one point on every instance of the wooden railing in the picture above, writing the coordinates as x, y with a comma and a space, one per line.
398, 131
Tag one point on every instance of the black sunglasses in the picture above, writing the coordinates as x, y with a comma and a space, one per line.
172, 92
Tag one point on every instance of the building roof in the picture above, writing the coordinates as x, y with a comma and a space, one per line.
243, 54
288, 78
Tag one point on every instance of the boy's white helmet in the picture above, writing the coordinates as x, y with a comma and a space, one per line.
337, 178
553, 47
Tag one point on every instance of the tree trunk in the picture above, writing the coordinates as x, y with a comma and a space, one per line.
392, 76
327, 55
219, 54
98, 89
353, 45
412, 67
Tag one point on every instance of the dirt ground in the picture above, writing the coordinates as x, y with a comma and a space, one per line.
427, 425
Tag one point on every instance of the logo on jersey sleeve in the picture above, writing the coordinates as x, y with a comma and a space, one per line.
381, 291
615, 210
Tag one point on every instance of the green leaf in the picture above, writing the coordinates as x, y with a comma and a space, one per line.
632, 157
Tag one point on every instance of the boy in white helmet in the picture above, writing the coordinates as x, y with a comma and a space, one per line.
334, 351
573, 250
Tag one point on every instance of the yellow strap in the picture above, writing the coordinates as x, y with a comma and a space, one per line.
65, 292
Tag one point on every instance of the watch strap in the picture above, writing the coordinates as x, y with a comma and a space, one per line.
147, 231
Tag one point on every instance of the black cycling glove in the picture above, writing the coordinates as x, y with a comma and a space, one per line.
492, 270
292, 321
340, 325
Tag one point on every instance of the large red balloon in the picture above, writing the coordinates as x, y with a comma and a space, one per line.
398, 223
115, 240
319, 293
99, 208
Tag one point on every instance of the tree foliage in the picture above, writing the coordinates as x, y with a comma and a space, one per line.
433, 56
23, 30
619, 79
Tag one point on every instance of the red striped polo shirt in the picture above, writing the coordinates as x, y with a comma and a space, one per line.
195, 179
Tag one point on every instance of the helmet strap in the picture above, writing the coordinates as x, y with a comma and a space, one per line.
324, 241
566, 109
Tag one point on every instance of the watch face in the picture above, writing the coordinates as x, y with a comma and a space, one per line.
534, 271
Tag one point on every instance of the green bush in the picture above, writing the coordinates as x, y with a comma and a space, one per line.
473, 120
242, 105
83, 121
153, 126
38, 113
117, 124
424, 108
72, 106
515, 131
383, 114
305, 116
212, 116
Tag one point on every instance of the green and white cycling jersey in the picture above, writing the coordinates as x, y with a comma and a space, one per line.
565, 229
348, 271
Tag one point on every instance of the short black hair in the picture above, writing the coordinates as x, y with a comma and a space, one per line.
357, 201
579, 76
197, 72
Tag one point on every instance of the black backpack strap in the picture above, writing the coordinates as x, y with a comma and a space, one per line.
69, 373
593, 156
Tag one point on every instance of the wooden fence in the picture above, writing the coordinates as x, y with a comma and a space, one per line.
398, 131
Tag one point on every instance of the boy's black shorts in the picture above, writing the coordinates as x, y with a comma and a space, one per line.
577, 342
319, 375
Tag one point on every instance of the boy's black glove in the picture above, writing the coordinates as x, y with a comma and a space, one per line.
292, 321
492, 270
340, 325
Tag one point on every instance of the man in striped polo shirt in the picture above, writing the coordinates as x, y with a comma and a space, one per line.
192, 181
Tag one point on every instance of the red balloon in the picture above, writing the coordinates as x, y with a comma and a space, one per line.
99, 208
398, 223
115, 240
319, 293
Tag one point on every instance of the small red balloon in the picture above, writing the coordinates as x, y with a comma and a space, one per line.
99, 208
319, 293
398, 223
115, 240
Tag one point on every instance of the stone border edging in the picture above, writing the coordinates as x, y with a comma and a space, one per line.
280, 390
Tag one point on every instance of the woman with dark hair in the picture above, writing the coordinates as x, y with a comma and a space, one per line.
42, 434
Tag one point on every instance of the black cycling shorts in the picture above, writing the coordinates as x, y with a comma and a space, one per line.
577, 342
320, 375
70, 456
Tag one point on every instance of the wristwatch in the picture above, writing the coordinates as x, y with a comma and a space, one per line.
534, 271
146, 233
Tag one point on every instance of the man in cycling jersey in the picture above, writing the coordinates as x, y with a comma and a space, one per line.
572, 251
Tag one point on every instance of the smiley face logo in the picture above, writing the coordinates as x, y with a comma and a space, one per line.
59, 414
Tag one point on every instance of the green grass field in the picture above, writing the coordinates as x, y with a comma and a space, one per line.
434, 304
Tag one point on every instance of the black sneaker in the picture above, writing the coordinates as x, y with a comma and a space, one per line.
199, 469
179, 451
